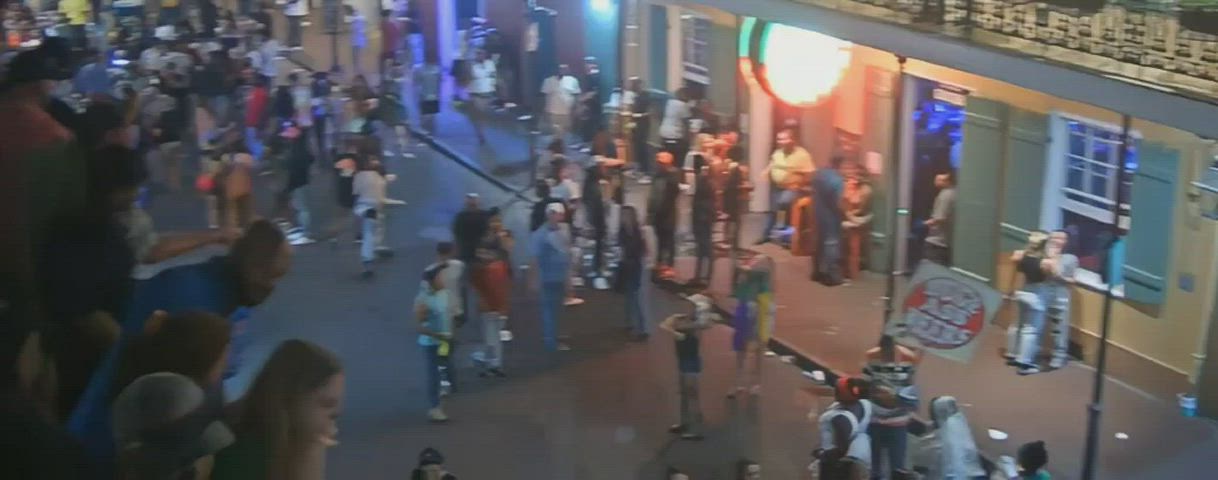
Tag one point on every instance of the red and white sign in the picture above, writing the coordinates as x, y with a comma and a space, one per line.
944, 312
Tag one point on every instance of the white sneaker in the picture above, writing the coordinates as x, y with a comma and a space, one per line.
600, 283
302, 240
437, 415
505, 335
573, 301
577, 281
394, 202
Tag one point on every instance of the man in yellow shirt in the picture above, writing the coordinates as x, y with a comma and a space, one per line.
77, 13
790, 169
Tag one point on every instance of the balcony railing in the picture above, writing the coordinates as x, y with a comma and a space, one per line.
1166, 45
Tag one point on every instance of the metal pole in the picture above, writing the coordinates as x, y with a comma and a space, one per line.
334, 68
1096, 409
894, 185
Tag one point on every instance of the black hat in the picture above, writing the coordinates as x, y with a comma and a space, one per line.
430, 456
50, 61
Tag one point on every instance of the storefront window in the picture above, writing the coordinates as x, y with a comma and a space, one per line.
695, 47
1089, 192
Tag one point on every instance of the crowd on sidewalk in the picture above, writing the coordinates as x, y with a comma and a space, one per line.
119, 374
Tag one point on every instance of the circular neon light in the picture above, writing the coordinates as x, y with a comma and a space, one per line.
796, 66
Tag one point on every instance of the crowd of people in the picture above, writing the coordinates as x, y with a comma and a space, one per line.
118, 335
126, 380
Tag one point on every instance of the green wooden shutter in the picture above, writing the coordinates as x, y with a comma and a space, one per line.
658, 56
978, 187
1152, 214
1023, 182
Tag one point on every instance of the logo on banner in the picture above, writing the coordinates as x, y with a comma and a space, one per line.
944, 312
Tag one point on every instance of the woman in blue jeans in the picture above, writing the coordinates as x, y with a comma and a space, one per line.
1023, 337
435, 332
551, 248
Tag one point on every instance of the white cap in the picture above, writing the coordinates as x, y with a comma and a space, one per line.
555, 208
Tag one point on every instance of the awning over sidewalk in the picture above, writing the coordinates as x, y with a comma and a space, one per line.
1065, 81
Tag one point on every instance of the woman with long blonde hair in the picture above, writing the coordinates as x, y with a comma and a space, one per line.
287, 418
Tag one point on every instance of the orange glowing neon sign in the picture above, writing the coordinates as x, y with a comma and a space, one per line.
796, 66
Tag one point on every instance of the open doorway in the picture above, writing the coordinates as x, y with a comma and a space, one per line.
935, 121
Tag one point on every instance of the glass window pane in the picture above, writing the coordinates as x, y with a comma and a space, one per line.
1074, 178
1098, 186
1078, 144
1101, 151
1088, 237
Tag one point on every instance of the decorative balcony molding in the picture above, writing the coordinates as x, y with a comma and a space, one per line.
1121, 87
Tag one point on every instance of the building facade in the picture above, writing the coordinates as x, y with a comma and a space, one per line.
1025, 104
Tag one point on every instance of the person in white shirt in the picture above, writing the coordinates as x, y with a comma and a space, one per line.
481, 90
359, 36
296, 11
560, 91
672, 126
152, 59
369, 187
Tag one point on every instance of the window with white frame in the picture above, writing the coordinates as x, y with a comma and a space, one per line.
1087, 166
695, 47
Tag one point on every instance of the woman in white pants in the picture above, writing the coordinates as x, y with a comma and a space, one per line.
369, 189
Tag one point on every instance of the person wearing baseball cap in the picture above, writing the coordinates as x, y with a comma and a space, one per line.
551, 248
163, 428
431, 466
435, 334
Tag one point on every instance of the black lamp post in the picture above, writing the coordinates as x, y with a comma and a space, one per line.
1096, 409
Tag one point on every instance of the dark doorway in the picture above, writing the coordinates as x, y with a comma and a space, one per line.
937, 121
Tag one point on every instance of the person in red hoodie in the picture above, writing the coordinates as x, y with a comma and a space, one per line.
255, 117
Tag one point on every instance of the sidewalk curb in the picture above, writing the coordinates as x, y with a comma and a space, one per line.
447, 151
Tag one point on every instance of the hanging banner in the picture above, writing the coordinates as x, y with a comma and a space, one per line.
944, 312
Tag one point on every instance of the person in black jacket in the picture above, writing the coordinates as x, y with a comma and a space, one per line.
469, 226
702, 214
299, 160
662, 212
593, 203
537, 217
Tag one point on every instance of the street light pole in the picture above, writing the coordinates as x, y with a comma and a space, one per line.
894, 185
1096, 409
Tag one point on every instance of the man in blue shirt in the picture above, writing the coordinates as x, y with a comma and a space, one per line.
827, 186
435, 333
94, 78
245, 277
551, 248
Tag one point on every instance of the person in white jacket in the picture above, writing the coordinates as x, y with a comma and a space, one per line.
369, 187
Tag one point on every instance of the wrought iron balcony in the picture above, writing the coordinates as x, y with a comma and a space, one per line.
1168, 45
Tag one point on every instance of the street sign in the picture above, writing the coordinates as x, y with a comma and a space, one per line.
944, 312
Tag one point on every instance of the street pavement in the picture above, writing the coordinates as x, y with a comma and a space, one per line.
1143, 436
598, 412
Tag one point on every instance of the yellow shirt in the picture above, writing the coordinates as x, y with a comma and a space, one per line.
77, 11
169, 3
781, 164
